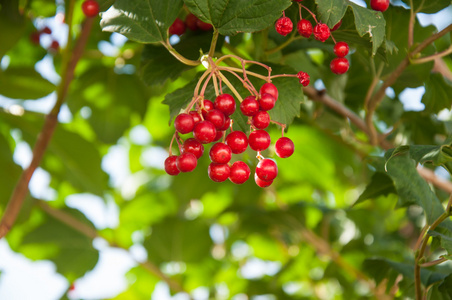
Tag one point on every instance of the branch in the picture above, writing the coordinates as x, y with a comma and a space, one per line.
70, 59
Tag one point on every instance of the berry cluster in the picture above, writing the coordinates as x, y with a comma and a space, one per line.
321, 32
192, 22
211, 122
35, 38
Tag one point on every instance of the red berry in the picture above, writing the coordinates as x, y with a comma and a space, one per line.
259, 140
35, 37
339, 65
240, 172
249, 106
46, 30
267, 169
196, 116
170, 165
208, 105
304, 78
184, 123
341, 49
218, 136
218, 172
297, 0
186, 162
220, 153
379, 5
284, 147
321, 32
237, 141
225, 103
304, 28
261, 120
178, 27
191, 22
284, 26
261, 183
216, 117
336, 27
193, 146
54, 46
226, 125
267, 102
269, 88
204, 132
203, 25
90, 8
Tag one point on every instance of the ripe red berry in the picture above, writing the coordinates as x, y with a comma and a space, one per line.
203, 25
339, 65
208, 105
304, 78
240, 172
196, 116
284, 147
237, 141
170, 165
225, 103
269, 88
220, 153
178, 27
304, 28
216, 117
191, 22
218, 136
35, 37
261, 120
249, 106
46, 30
259, 140
193, 146
218, 172
54, 46
284, 26
261, 183
336, 27
267, 102
226, 125
90, 8
321, 32
204, 132
267, 169
186, 162
184, 123
379, 5
341, 49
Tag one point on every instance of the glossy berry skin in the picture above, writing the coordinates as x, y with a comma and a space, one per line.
203, 25
304, 28
220, 153
90, 8
261, 183
208, 105
337, 26
341, 49
225, 103
249, 106
226, 125
184, 123
193, 146
170, 165
303, 78
261, 120
186, 162
240, 172
284, 26
216, 117
321, 32
267, 169
218, 136
267, 102
178, 27
259, 140
196, 116
339, 65
204, 132
237, 141
284, 147
218, 172
191, 21
269, 88
379, 5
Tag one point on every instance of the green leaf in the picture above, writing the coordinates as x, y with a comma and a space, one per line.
9, 172
331, 11
12, 25
24, 83
144, 21
176, 239
438, 93
445, 241
234, 16
380, 185
428, 7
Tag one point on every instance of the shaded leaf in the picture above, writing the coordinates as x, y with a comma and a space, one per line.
380, 185
428, 7
24, 83
445, 241
438, 94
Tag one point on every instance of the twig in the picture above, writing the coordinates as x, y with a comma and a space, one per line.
431, 57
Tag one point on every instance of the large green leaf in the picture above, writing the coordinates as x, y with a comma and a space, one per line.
9, 171
380, 185
12, 25
438, 93
144, 21
24, 83
445, 240
428, 7
234, 16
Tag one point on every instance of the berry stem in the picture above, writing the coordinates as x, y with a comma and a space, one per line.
171, 144
245, 84
431, 57
215, 84
230, 86
283, 126
232, 69
213, 44
179, 56
284, 75
198, 85
203, 90
312, 14
246, 80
